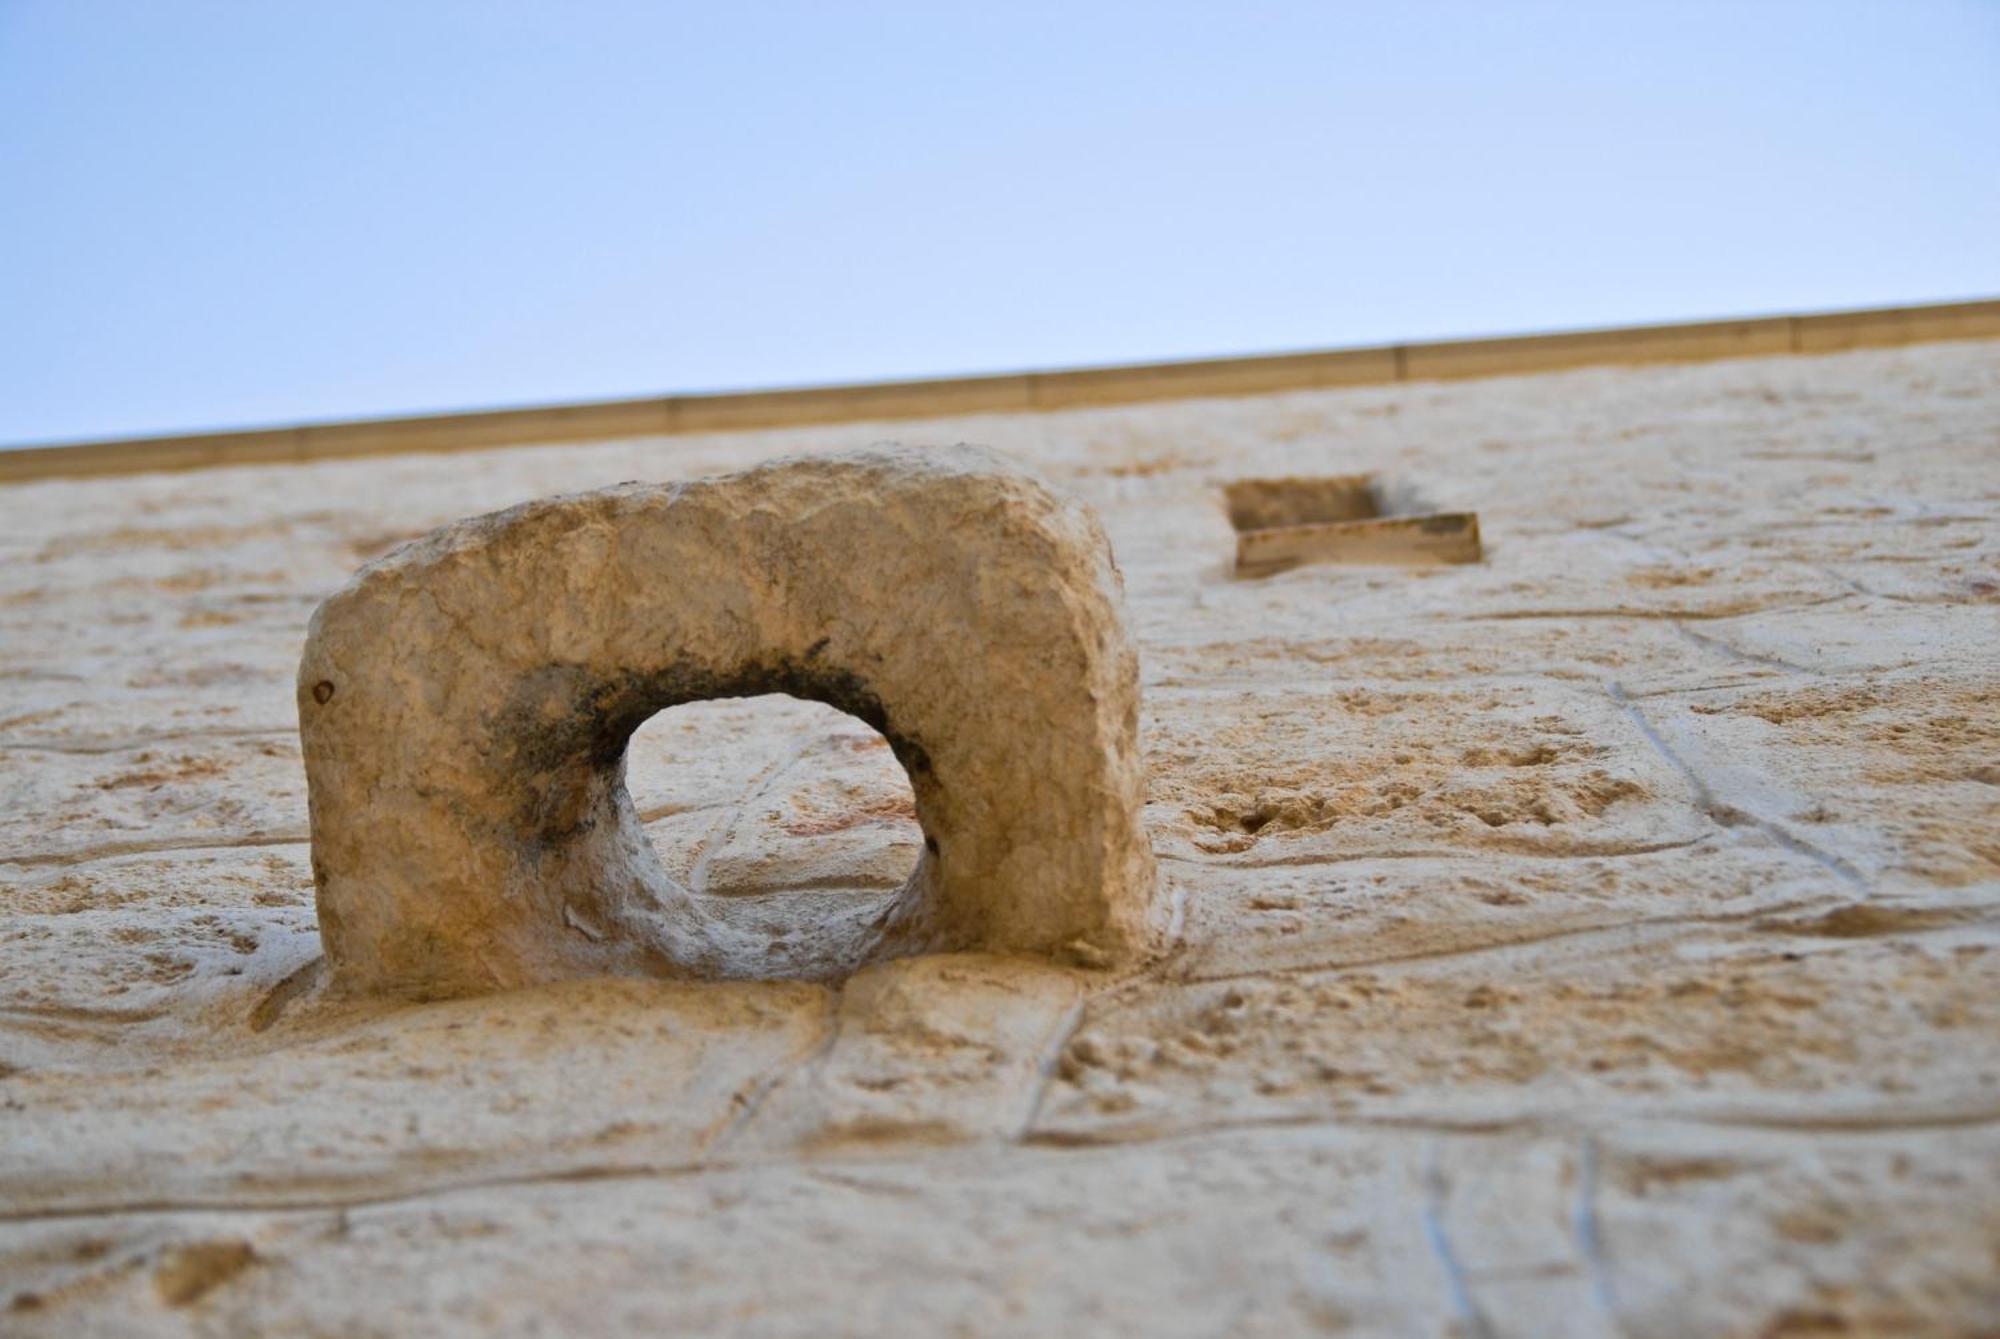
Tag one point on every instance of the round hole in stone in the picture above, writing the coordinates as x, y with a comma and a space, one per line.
792, 823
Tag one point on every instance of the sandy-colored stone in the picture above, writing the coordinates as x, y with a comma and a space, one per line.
604, 1074
1403, 541
977, 1034
1598, 939
466, 702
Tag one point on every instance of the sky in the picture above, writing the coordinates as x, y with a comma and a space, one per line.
232, 214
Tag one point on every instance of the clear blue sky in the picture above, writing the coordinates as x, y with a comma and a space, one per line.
251, 212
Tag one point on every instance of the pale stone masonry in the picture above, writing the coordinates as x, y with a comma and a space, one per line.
1599, 938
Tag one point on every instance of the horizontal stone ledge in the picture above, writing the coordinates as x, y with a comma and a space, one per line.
1693, 341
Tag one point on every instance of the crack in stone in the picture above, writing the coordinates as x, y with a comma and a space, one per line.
1707, 642
113, 850
1433, 1125
1457, 1286
1577, 851
1723, 813
1589, 1234
1045, 1069
785, 1073
131, 742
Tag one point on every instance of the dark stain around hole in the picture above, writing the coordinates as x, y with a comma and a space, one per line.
603, 713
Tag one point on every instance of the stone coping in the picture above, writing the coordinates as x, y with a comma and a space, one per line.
1698, 341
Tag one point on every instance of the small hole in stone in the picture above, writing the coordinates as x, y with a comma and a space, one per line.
1363, 519
323, 692
789, 820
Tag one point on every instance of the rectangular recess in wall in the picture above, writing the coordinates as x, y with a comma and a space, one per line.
1283, 523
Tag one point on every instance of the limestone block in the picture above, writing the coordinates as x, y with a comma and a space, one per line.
606, 1074
947, 1048
465, 704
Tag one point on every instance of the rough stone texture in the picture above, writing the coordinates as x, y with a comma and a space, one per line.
466, 702
1601, 939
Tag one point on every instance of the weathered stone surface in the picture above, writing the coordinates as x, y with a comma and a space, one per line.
942, 1049
1499, 1006
465, 705
611, 1073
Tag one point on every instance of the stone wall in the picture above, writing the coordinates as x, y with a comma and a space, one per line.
1602, 938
